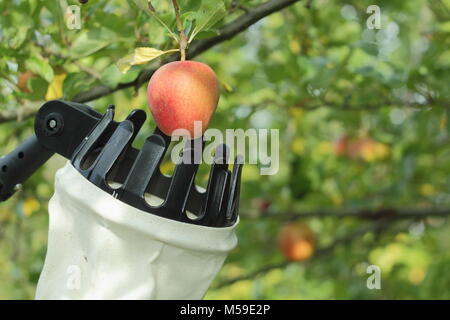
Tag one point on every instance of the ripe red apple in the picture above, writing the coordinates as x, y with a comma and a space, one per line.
182, 92
296, 241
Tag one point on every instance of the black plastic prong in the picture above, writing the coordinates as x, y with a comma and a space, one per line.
117, 144
221, 155
159, 132
215, 206
183, 178
137, 117
92, 140
146, 165
210, 206
225, 195
233, 201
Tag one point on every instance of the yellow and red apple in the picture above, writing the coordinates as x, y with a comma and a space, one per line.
182, 92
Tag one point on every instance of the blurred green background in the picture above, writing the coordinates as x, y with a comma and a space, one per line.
364, 135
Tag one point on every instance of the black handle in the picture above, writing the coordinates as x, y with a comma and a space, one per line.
19, 165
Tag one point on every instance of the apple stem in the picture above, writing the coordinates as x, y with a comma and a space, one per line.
183, 39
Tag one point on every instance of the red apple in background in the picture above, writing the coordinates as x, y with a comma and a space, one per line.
182, 92
297, 241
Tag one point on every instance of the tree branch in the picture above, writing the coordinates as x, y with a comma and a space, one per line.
367, 214
375, 227
21, 113
182, 36
311, 104
240, 24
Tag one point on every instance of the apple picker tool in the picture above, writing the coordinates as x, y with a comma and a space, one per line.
100, 149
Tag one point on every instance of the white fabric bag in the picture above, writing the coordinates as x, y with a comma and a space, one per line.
102, 248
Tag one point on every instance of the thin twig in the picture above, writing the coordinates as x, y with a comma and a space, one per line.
182, 39
22, 113
365, 214
88, 70
151, 7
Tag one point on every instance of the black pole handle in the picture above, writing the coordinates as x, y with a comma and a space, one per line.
19, 165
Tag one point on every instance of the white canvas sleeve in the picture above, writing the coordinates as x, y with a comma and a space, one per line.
102, 248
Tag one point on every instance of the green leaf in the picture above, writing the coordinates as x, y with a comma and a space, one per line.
187, 19
206, 34
208, 15
40, 67
54, 6
111, 76
75, 83
370, 48
143, 5
91, 42
190, 5
38, 88
140, 56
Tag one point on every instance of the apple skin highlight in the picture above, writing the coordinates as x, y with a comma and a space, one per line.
182, 92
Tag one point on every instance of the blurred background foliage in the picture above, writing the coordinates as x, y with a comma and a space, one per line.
363, 120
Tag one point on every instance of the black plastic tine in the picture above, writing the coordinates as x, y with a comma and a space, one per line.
219, 165
146, 165
91, 140
138, 117
166, 138
218, 214
222, 216
233, 201
214, 207
117, 144
183, 180
221, 155
162, 134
